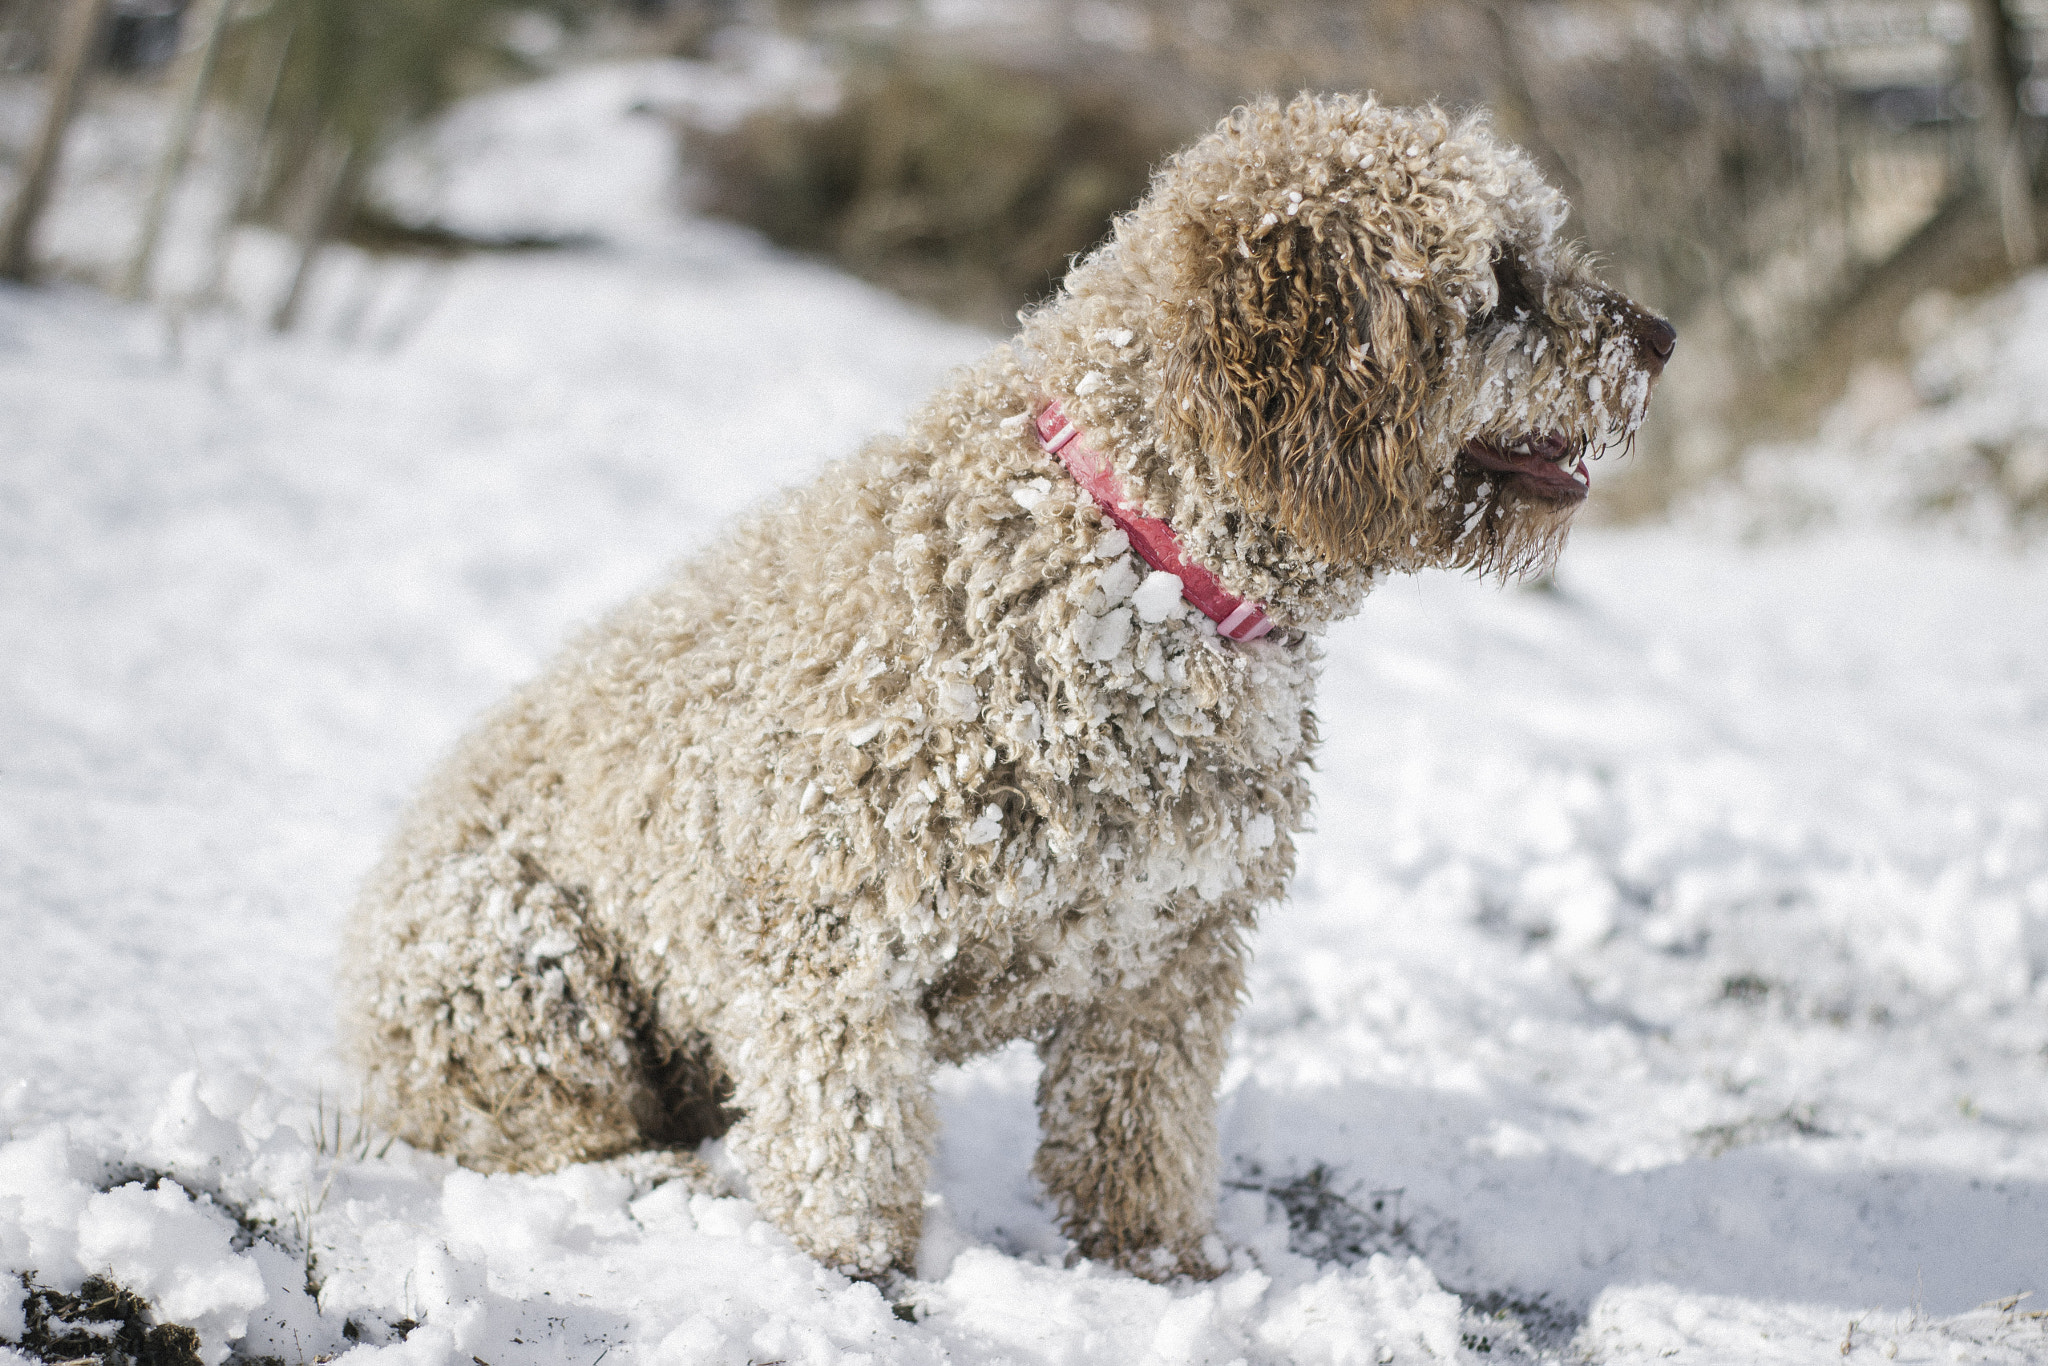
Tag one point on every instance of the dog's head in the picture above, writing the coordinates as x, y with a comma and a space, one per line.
1364, 334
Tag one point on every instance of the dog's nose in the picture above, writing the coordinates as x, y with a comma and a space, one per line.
1658, 338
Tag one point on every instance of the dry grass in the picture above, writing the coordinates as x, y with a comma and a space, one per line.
102, 1325
961, 184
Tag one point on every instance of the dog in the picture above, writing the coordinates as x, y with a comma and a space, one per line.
999, 730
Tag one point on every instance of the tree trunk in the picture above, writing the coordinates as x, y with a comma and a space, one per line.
337, 198
2001, 164
76, 44
135, 284
250, 162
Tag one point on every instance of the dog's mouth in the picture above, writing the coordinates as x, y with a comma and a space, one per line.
1551, 467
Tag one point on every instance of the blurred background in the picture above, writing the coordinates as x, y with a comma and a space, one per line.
1806, 189
1674, 947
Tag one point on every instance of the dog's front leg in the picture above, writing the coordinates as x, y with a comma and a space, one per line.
834, 1087
1127, 1108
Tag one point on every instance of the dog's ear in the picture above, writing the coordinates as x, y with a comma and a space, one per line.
1301, 369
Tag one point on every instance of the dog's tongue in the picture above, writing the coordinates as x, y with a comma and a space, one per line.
1535, 459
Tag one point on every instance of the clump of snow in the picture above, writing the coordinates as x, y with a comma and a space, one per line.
987, 827
1339, 1318
189, 1136
1158, 597
1030, 493
1103, 638
42, 1196
1111, 544
174, 1251
1114, 586
16, 1260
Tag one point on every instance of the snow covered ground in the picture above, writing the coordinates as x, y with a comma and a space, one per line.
1958, 439
1668, 976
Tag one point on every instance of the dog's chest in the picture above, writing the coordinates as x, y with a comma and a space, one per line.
1181, 818
1020, 980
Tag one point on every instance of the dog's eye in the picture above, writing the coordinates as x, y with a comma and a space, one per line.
1514, 298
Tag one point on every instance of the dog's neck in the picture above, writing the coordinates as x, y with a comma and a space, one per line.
1153, 539
1250, 559
1095, 347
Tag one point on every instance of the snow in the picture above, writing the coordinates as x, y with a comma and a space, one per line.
1158, 597
1959, 437
174, 1251
1669, 969
560, 161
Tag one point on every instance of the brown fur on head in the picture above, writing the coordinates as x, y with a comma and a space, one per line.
1363, 326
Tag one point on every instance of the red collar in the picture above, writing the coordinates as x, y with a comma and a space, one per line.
1153, 539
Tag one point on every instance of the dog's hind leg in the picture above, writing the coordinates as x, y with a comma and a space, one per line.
497, 1023
1127, 1109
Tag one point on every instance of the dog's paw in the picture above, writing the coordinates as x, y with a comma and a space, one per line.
1209, 1260
1203, 1261
658, 1167
896, 1285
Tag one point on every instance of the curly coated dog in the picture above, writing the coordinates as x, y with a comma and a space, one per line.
999, 729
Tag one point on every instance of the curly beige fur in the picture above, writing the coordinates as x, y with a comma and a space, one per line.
898, 772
